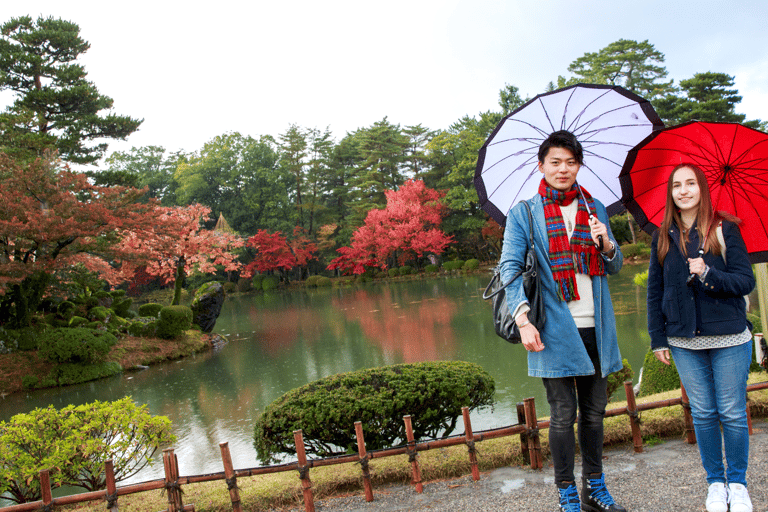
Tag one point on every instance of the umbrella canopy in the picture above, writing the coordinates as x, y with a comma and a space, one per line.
734, 159
607, 120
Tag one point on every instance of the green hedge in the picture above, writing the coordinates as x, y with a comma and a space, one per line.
657, 376
635, 250
433, 393
472, 264
270, 283
616, 379
174, 320
324, 281
75, 345
311, 281
393, 272
431, 269
453, 265
151, 309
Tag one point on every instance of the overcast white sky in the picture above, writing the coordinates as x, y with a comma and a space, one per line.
195, 70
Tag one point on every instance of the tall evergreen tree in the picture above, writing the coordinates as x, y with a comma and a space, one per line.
55, 105
416, 160
293, 155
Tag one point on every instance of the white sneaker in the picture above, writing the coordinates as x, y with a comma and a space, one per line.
717, 498
738, 497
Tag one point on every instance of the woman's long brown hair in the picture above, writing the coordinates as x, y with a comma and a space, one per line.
706, 218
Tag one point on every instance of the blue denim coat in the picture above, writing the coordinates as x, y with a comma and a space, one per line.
564, 354
715, 306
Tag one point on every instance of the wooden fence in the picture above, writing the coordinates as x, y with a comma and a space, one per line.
528, 428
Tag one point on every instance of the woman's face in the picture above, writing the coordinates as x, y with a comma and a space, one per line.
685, 190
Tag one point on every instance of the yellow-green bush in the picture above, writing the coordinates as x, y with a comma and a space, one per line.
173, 321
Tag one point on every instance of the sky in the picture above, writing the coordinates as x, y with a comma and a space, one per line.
194, 71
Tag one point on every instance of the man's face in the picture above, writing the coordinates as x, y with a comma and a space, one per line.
560, 168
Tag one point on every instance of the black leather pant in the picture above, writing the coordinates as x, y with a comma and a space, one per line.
589, 395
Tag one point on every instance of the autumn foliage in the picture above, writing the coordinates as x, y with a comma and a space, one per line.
406, 228
274, 251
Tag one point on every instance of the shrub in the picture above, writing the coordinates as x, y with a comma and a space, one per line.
75, 442
21, 339
229, 287
311, 281
616, 379
431, 269
405, 270
325, 410
641, 279
66, 309
174, 320
151, 309
78, 321
324, 281
122, 306
453, 265
75, 345
635, 250
657, 376
256, 281
270, 283
393, 272
472, 264
243, 285
99, 313
67, 374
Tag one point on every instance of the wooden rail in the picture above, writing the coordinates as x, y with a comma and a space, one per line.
528, 429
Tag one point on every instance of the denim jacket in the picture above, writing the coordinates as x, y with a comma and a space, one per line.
715, 306
564, 354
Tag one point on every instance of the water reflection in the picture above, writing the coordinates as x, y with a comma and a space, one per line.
282, 340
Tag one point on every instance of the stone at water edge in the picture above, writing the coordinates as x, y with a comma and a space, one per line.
206, 305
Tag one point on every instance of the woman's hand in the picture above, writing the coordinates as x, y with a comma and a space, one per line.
662, 355
696, 266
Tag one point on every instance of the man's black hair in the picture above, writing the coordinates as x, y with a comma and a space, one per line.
562, 139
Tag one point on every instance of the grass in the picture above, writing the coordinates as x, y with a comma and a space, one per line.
282, 490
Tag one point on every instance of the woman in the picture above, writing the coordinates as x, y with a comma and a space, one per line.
697, 313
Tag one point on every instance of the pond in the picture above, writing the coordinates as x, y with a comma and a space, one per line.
284, 339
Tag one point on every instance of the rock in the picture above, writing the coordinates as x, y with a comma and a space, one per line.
206, 305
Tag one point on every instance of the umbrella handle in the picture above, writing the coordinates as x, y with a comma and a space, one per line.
689, 281
600, 243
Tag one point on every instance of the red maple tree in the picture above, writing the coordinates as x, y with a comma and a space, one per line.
405, 229
274, 251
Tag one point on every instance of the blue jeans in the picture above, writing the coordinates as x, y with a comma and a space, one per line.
716, 383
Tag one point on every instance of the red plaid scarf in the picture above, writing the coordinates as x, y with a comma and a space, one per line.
577, 255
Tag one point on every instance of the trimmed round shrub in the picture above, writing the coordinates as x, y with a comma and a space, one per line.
641, 279
324, 281
657, 376
243, 285
151, 309
66, 310
75, 345
99, 313
229, 287
433, 393
393, 272
405, 270
616, 379
453, 264
256, 281
311, 281
174, 320
122, 306
270, 283
78, 321
472, 264
431, 269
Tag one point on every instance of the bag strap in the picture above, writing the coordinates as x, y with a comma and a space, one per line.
497, 275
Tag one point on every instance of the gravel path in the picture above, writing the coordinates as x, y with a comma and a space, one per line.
665, 477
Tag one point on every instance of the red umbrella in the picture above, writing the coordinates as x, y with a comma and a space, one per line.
734, 159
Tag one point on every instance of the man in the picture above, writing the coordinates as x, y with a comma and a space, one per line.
577, 348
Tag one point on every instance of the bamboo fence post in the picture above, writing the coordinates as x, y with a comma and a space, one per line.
45, 489
634, 417
412, 454
111, 496
172, 486
231, 477
363, 461
306, 483
470, 440
523, 434
690, 433
532, 424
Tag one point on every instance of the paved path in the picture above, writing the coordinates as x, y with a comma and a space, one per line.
666, 477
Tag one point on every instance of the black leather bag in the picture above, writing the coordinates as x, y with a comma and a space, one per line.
502, 318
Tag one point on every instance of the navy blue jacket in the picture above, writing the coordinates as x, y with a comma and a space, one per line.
716, 306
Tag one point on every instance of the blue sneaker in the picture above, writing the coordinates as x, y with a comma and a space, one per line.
596, 496
569, 499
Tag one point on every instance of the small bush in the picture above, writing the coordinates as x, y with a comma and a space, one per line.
29, 381
122, 306
66, 309
657, 376
67, 374
243, 285
270, 283
641, 279
433, 393
431, 269
324, 282
311, 281
393, 272
635, 250
99, 314
256, 281
229, 287
616, 379
174, 320
78, 321
453, 265
75, 345
152, 309
472, 264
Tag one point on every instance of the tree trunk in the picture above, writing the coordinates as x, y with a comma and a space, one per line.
631, 228
179, 281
